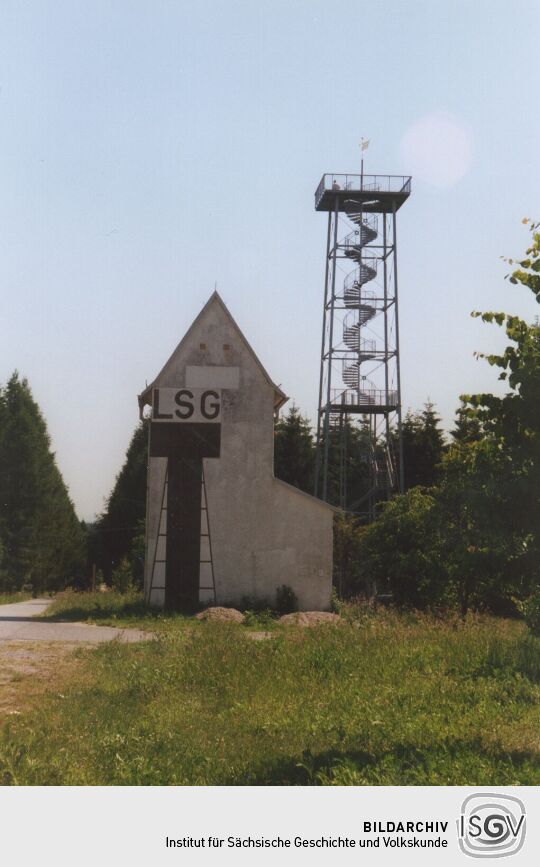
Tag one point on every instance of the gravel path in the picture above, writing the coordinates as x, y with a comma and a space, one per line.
16, 624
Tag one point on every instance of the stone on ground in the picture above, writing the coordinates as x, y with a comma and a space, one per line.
309, 618
225, 615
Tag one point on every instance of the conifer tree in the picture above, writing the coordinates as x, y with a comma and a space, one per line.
431, 446
294, 451
42, 540
467, 426
114, 533
348, 462
423, 447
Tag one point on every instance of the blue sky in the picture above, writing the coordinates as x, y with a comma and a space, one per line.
150, 149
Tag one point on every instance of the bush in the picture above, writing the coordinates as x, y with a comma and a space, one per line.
531, 612
286, 600
336, 604
403, 552
136, 556
122, 577
350, 576
262, 619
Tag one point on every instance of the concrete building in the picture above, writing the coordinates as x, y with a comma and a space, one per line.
220, 528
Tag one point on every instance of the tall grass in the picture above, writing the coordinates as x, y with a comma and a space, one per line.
107, 609
17, 596
384, 699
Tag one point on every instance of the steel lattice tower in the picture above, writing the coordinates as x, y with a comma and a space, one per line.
360, 371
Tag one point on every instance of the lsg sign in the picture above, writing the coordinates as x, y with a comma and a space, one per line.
186, 405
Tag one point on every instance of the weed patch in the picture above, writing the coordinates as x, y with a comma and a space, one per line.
11, 598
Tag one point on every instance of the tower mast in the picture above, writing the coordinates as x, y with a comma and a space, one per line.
360, 364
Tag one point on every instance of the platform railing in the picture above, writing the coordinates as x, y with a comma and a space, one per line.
363, 183
363, 397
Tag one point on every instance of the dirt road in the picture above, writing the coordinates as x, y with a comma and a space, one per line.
35, 656
16, 624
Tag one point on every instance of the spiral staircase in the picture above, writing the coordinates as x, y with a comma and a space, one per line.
361, 304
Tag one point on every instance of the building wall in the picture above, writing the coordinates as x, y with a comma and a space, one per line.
263, 532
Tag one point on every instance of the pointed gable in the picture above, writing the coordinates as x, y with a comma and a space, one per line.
215, 301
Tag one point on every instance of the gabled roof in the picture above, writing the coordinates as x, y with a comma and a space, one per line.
215, 299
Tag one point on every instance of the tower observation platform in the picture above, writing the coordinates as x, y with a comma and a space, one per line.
360, 370
376, 194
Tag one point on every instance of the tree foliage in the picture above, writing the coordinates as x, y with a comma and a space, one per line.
403, 550
349, 452
294, 456
351, 578
294, 452
40, 537
423, 446
473, 537
118, 533
511, 422
467, 426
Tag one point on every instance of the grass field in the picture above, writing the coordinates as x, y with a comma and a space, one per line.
384, 699
109, 609
129, 609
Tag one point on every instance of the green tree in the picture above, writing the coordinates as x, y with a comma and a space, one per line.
477, 519
403, 547
116, 530
431, 445
467, 426
42, 538
423, 447
122, 577
481, 522
512, 421
137, 555
351, 578
294, 451
348, 462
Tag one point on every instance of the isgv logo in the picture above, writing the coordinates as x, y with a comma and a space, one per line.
491, 826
